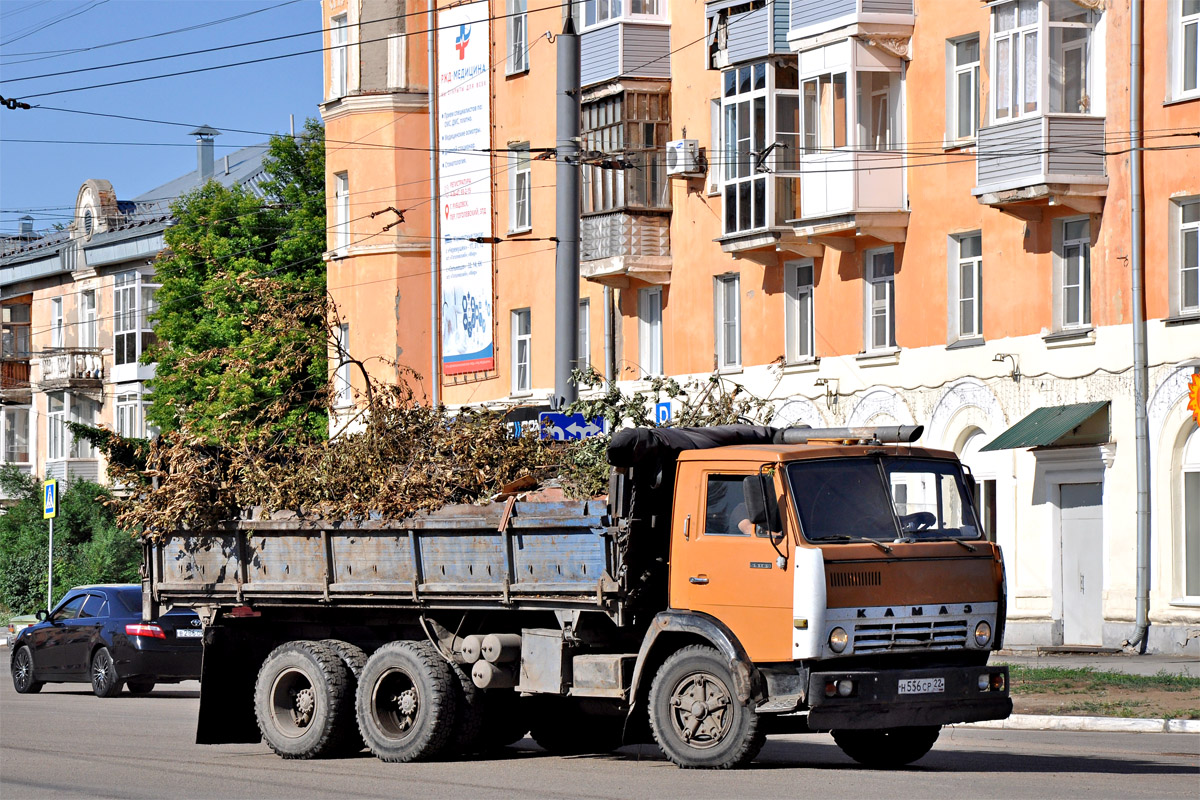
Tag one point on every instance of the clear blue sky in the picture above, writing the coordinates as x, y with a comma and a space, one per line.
42, 179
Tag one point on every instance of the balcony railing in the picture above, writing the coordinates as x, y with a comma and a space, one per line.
72, 366
14, 380
1046, 149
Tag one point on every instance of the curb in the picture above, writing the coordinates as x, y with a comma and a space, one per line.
1040, 722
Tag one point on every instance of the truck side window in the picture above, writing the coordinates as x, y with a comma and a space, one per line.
725, 507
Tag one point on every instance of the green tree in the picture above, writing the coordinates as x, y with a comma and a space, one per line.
242, 347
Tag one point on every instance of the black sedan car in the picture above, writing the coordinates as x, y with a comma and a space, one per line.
96, 634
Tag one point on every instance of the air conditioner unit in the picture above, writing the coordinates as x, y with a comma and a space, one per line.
683, 157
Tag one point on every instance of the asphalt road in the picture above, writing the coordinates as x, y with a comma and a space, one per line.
66, 743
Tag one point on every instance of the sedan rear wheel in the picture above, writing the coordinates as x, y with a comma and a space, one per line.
22, 672
105, 681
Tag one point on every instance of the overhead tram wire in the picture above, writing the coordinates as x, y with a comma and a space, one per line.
50, 23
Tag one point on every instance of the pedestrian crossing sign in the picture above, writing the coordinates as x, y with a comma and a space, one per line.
50, 499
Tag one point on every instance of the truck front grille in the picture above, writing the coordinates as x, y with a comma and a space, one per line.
879, 636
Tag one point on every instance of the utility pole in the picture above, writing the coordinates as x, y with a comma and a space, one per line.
566, 227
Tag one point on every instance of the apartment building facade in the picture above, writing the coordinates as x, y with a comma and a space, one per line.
76, 306
898, 212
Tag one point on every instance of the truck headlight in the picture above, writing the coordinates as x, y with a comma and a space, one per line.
983, 634
838, 639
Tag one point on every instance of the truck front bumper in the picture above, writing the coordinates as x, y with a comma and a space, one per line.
902, 698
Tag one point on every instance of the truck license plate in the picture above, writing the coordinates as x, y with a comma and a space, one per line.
922, 685
188, 633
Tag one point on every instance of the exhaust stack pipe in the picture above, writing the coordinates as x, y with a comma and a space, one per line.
895, 434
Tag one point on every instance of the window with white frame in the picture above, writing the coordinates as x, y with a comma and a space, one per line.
714, 146
341, 377
56, 426
1028, 79
518, 38
966, 281
337, 57
84, 411
879, 122
1070, 36
798, 316
397, 77
133, 304
1185, 49
596, 12
1190, 517
880, 299
62, 407
1185, 290
823, 99
962, 107
583, 338
1075, 259
16, 435
56, 322
760, 135
519, 188
650, 335
88, 333
727, 312
341, 200
128, 410
522, 352
1015, 58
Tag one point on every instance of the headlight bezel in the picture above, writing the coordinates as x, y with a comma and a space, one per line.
839, 639
983, 633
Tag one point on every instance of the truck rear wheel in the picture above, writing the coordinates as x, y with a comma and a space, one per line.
887, 748
300, 700
355, 659
696, 717
405, 702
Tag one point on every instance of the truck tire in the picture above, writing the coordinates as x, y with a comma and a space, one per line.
355, 659
405, 702
887, 748
301, 700
468, 714
105, 681
22, 672
696, 718
505, 719
562, 728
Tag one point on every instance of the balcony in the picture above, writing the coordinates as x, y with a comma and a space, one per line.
14, 381
1049, 159
625, 49
811, 18
617, 246
72, 368
745, 30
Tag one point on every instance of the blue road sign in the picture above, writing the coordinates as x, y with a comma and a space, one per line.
662, 413
50, 499
561, 427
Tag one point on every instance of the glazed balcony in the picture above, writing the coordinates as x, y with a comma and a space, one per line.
814, 17
624, 48
745, 30
72, 368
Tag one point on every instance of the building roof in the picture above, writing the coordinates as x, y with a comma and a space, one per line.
243, 167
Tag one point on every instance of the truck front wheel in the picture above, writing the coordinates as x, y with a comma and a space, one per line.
405, 702
887, 748
300, 700
696, 717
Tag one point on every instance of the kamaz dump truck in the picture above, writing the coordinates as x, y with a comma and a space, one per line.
739, 581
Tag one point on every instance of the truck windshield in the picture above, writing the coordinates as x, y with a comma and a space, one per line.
882, 498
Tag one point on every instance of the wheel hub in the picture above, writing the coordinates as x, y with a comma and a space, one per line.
303, 704
701, 704
407, 703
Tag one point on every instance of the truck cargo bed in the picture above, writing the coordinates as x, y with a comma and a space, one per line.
523, 554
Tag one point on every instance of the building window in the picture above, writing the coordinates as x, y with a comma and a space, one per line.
966, 283
62, 407
824, 104
1070, 53
1076, 268
760, 135
16, 436
337, 57
518, 37
88, 335
129, 415
881, 299
798, 287
341, 198
714, 146
650, 339
16, 331
728, 315
522, 355
397, 77
56, 322
1185, 50
519, 200
583, 339
1190, 478
56, 426
1022, 83
596, 12
1015, 59
1185, 289
962, 120
133, 304
879, 122
633, 127
341, 378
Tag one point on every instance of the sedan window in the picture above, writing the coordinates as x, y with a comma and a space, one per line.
70, 609
92, 607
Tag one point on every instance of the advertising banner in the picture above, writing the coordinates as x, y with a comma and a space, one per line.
465, 188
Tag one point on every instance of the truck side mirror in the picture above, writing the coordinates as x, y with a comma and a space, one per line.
761, 506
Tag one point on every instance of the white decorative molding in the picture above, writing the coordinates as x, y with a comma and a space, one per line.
1091, 5
881, 401
899, 46
964, 393
799, 411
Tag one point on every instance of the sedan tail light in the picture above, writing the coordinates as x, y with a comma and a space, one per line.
143, 629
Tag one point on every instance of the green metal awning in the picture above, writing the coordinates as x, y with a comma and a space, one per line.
1057, 425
